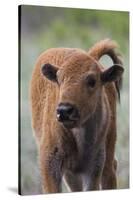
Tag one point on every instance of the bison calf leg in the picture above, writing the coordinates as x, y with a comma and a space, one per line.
73, 181
50, 166
93, 181
109, 180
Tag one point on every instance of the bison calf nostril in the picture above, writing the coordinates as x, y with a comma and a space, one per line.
62, 113
70, 110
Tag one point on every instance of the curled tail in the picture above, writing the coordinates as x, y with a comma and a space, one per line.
107, 47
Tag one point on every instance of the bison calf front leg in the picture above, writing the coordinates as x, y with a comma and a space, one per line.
92, 181
51, 165
109, 180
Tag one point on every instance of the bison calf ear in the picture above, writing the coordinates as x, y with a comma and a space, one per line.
50, 71
112, 74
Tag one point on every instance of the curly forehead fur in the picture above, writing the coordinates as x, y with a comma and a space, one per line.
77, 65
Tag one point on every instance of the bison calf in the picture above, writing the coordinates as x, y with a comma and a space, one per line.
73, 103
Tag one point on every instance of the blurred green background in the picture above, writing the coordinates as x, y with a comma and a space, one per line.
46, 27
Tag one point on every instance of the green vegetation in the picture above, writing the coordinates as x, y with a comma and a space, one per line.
45, 27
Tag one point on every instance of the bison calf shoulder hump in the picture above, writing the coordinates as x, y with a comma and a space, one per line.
73, 103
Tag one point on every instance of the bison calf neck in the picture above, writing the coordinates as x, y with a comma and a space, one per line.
73, 103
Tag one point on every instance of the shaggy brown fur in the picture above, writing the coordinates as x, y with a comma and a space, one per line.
78, 146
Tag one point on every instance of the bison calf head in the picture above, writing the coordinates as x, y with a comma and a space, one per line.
80, 80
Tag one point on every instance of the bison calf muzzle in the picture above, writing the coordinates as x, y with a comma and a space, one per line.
67, 113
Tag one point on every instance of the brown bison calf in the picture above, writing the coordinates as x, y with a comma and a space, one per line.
73, 100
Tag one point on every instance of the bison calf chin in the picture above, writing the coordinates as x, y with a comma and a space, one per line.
73, 104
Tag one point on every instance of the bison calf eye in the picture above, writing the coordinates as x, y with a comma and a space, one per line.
91, 81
